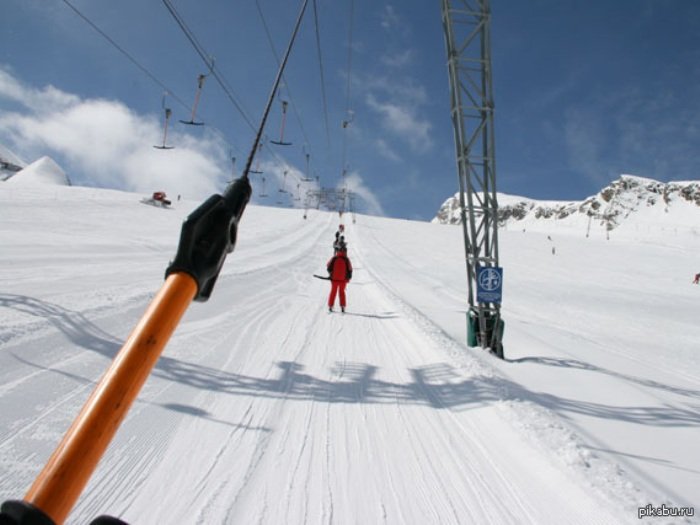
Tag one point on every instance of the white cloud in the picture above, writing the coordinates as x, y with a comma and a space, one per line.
584, 138
389, 18
652, 134
398, 60
399, 104
405, 89
386, 151
34, 99
402, 121
108, 144
355, 184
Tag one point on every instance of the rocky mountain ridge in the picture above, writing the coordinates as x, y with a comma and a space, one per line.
612, 206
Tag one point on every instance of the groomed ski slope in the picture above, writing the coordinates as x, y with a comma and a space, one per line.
267, 409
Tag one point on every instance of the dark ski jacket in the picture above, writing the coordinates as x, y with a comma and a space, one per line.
339, 267
339, 244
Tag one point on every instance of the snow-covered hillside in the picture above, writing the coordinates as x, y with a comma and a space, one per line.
634, 202
264, 408
42, 171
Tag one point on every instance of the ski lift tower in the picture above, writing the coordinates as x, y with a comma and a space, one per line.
467, 37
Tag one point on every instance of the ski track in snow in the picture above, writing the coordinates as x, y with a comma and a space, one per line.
604, 475
264, 408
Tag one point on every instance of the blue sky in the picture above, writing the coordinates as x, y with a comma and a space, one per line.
584, 91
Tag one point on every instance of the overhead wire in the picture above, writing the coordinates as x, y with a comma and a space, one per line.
275, 87
199, 48
320, 67
206, 58
126, 54
350, 38
208, 61
274, 53
347, 95
141, 67
282, 161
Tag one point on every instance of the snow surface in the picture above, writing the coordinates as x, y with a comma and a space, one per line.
41, 171
264, 408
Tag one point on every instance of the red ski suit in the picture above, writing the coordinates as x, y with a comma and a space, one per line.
340, 270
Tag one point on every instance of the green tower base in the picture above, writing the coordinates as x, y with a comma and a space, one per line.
474, 335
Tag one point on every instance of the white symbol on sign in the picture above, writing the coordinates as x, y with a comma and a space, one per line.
489, 279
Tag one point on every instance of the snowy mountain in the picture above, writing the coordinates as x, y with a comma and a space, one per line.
627, 200
42, 171
264, 408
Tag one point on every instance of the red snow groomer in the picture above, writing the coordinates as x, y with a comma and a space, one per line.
159, 198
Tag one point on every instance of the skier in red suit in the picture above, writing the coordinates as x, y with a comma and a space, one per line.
340, 272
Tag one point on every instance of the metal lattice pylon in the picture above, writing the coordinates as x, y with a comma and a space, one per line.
334, 199
467, 36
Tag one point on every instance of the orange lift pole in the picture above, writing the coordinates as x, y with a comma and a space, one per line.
208, 235
58, 486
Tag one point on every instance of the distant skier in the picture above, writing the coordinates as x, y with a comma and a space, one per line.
339, 242
340, 272
339, 237
697, 279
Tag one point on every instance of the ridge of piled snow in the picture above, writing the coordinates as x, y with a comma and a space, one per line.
42, 171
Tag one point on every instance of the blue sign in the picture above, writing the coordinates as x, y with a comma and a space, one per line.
489, 284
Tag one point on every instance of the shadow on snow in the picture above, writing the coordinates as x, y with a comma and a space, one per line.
74, 325
439, 386
582, 365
